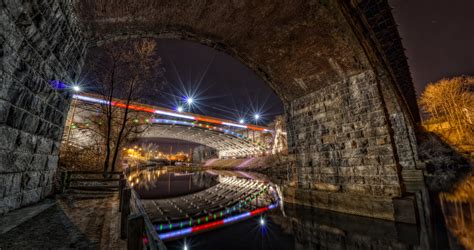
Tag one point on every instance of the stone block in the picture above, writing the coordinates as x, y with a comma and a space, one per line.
31, 196
39, 162
10, 202
8, 137
52, 162
26, 142
11, 184
4, 111
44, 146
30, 180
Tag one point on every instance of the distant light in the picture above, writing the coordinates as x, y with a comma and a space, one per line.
242, 121
76, 88
179, 109
256, 116
262, 222
185, 247
190, 100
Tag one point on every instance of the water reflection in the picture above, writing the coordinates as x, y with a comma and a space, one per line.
299, 227
458, 211
166, 182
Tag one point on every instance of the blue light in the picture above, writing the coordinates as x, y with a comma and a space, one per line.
237, 217
175, 233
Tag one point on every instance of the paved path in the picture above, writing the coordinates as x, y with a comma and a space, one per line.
76, 221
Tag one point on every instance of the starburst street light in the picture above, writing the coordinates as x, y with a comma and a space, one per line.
76, 88
256, 117
262, 222
179, 109
241, 121
189, 100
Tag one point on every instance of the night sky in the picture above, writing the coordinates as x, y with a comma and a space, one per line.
438, 36
223, 86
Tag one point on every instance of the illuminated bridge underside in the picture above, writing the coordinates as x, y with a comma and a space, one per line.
231, 200
226, 144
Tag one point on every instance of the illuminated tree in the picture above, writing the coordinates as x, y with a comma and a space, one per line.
122, 73
450, 106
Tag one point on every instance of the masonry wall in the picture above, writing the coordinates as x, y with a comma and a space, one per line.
40, 44
340, 136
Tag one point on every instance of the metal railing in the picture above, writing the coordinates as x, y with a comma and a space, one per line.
136, 225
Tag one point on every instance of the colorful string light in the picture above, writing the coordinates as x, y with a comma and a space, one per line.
215, 224
169, 113
169, 226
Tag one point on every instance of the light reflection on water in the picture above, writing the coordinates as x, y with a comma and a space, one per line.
309, 228
458, 211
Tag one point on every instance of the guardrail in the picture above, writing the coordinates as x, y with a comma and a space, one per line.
135, 225
68, 177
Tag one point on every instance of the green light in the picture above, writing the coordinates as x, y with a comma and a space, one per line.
171, 226
215, 216
190, 222
207, 219
181, 224
221, 214
199, 220
161, 227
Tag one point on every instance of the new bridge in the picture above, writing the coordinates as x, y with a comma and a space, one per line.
229, 138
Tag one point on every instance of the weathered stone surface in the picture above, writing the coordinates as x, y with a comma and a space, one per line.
9, 203
38, 44
31, 196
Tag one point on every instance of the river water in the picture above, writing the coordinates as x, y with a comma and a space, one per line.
298, 227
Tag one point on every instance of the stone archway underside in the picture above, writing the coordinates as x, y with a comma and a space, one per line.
338, 66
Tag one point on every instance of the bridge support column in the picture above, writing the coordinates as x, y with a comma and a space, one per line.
346, 152
40, 50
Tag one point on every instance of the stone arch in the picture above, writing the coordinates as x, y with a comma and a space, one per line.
338, 66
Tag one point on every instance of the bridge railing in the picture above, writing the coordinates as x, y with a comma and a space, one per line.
135, 224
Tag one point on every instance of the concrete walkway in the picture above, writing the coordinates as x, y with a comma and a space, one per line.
86, 221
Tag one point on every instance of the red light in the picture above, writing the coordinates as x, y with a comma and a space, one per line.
208, 226
258, 211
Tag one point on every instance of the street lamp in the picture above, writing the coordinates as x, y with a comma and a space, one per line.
76, 88
180, 109
189, 101
241, 121
256, 117
262, 222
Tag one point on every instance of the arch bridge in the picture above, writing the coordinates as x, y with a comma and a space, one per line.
229, 138
338, 65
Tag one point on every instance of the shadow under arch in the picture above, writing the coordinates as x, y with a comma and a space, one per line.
349, 126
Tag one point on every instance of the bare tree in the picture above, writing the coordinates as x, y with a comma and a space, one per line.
450, 105
123, 73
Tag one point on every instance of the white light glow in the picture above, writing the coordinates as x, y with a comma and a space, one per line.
179, 109
262, 222
76, 88
256, 116
234, 125
190, 100
90, 99
161, 112
242, 121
